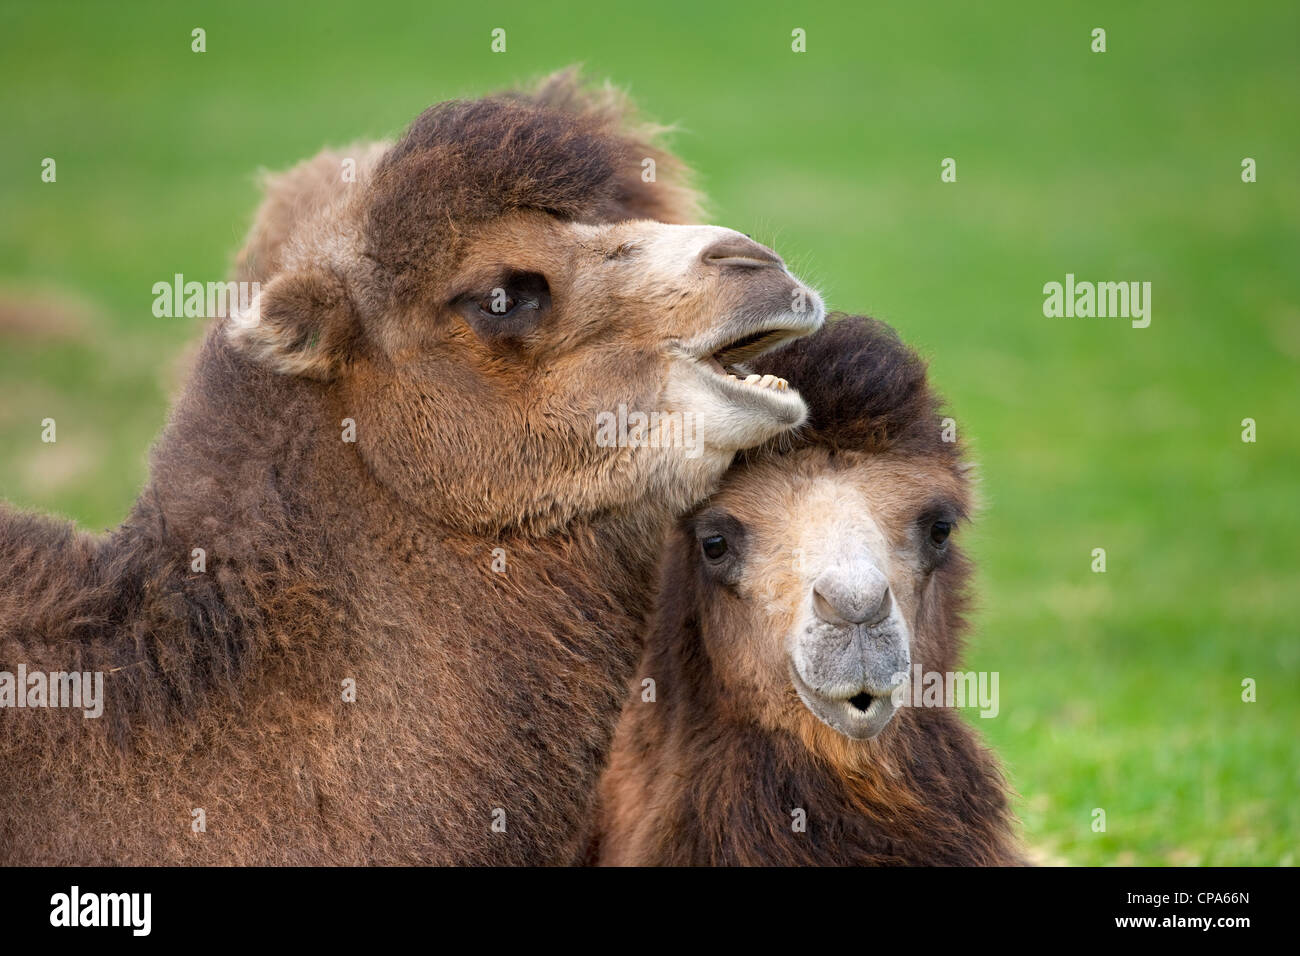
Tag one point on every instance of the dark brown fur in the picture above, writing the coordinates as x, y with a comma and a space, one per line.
710, 772
371, 561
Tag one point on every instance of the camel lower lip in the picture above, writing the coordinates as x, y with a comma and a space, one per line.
853, 705
860, 716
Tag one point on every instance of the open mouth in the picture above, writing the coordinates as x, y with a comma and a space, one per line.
861, 701
735, 407
729, 360
861, 716
726, 357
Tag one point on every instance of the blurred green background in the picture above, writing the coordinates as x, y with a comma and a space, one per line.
1119, 691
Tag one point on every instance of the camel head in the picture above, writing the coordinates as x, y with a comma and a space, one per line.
500, 285
825, 567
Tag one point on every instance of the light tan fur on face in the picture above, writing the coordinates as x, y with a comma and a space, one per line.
802, 515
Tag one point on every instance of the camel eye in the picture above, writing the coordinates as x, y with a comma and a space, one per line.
939, 532
499, 304
507, 310
714, 547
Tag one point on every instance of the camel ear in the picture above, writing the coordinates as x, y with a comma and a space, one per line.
293, 198
301, 323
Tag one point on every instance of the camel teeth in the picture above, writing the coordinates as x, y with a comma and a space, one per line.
763, 381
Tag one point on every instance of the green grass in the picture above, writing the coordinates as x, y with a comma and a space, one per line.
1119, 691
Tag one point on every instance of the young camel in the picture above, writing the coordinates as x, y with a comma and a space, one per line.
381, 594
794, 602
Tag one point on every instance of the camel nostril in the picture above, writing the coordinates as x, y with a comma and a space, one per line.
739, 251
825, 610
882, 610
844, 606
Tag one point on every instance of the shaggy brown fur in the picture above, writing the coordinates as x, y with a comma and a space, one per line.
480, 685
711, 772
615, 147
